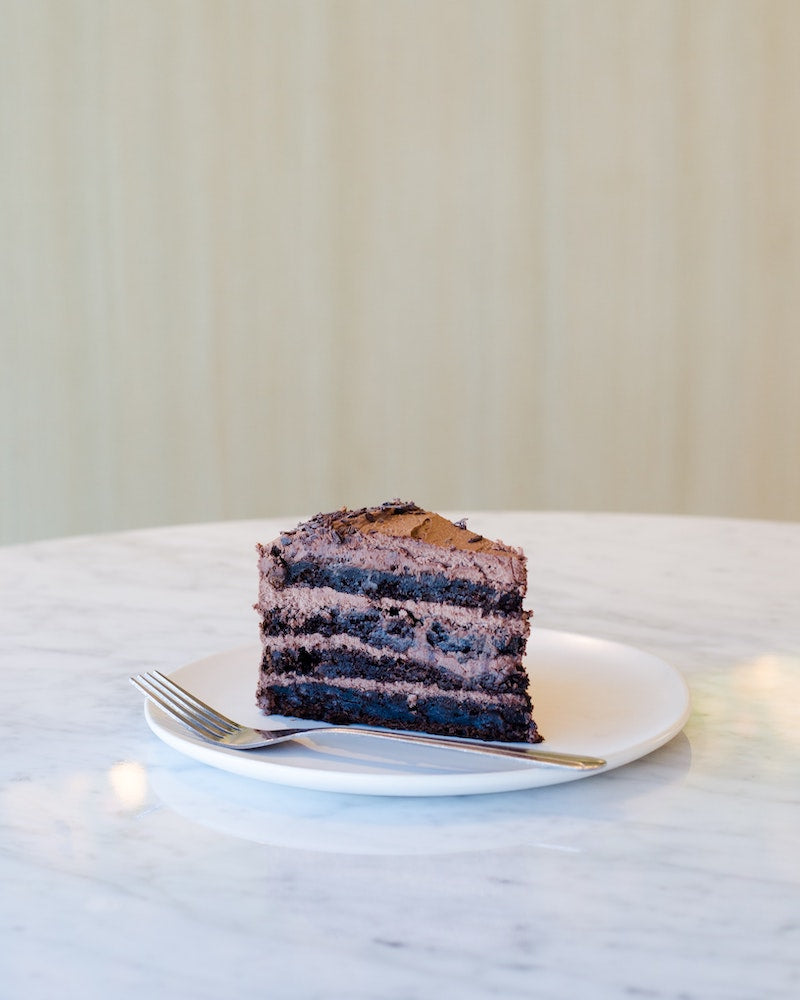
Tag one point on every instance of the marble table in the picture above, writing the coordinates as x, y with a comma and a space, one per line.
130, 870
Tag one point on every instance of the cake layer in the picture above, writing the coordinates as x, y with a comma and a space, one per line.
418, 586
331, 551
422, 629
398, 706
346, 656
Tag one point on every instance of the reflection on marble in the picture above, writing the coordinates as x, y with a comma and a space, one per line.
355, 824
348, 824
130, 870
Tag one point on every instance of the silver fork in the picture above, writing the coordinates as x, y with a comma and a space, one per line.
211, 725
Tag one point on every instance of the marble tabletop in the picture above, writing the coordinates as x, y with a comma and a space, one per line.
130, 870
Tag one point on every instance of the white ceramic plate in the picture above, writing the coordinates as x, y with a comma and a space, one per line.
591, 696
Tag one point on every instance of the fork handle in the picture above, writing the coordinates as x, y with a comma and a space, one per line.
548, 758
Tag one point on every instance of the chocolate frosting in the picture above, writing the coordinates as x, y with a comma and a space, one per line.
404, 519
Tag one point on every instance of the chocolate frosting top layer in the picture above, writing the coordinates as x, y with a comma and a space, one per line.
404, 519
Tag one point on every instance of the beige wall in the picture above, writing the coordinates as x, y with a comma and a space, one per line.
265, 258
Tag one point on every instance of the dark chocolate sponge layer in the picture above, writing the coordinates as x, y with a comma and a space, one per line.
442, 715
432, 587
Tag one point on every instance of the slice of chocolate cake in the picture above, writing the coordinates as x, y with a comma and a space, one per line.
394, 616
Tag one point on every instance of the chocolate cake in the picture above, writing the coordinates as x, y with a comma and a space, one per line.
394, 616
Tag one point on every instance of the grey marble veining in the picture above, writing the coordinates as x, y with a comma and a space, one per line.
129, 870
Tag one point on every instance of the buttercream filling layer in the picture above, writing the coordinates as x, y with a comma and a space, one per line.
298, 602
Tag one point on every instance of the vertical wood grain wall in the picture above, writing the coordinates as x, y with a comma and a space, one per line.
261, 258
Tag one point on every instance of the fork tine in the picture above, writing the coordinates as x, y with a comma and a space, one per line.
173, 708
186, 698
190, 706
